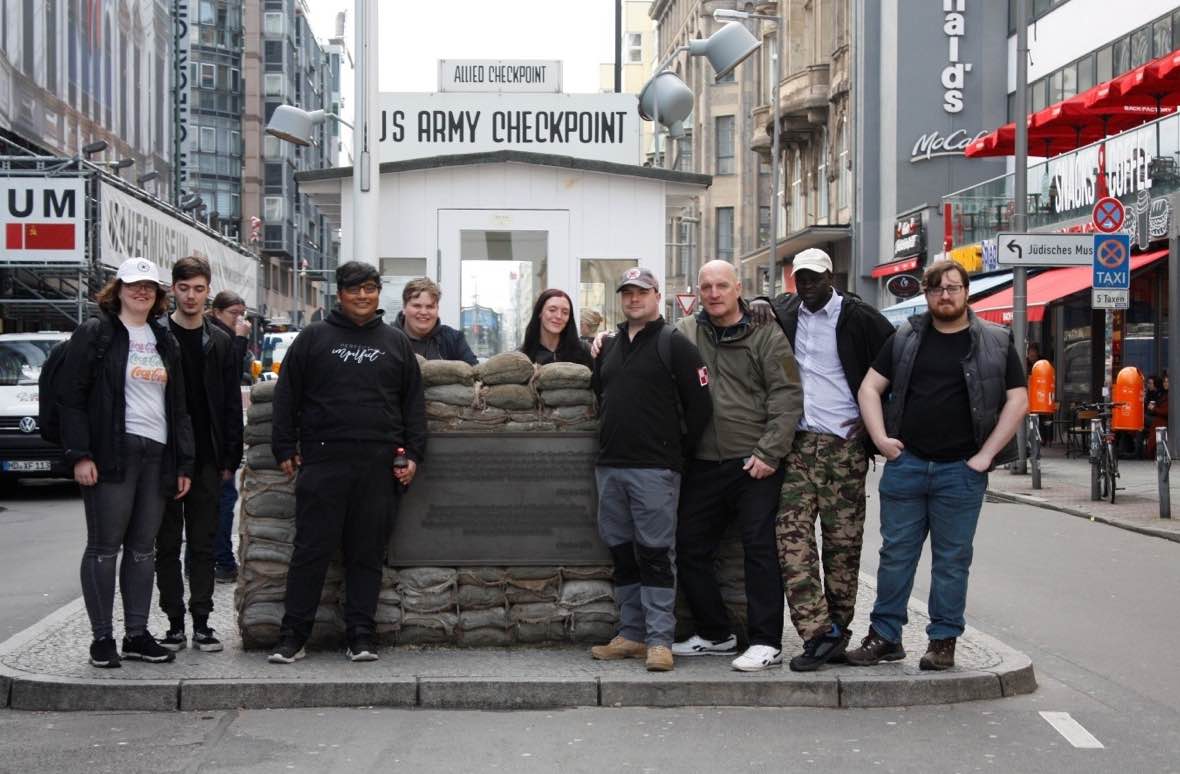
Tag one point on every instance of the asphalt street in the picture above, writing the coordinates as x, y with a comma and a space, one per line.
1094, 606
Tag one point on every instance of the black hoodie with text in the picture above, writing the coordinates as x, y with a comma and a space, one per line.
343, 383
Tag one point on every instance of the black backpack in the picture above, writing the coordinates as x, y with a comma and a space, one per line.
50, 386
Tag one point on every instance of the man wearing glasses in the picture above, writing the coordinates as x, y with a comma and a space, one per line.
348, 397
956, 395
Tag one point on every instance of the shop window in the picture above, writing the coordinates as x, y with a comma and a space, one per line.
501, 275
596, 291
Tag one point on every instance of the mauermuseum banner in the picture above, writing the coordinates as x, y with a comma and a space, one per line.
598, 127
133, 228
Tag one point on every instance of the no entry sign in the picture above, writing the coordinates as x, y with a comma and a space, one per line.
1109, 215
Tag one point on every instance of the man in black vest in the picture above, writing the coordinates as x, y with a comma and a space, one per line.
957, 395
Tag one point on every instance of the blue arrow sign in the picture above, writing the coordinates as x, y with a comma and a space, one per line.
1112, 261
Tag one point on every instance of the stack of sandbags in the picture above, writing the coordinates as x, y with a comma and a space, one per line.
483, 607
429, 604
532, 594
566, 398
389, 607
505, 382
589, 606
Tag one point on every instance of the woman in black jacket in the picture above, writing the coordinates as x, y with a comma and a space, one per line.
127, 433
552, 335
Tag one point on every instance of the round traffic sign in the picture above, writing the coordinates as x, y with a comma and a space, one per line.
1111, 253
1108, 215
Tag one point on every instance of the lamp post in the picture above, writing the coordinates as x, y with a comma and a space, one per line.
772, 248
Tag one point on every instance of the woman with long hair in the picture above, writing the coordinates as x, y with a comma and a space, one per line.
552, 334
126, 432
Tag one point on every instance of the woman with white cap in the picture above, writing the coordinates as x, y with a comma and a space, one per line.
126, 431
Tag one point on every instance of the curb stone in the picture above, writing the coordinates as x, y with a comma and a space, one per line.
491, 693
1036, 502
295, 694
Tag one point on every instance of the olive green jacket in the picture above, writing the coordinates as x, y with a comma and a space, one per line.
757, 393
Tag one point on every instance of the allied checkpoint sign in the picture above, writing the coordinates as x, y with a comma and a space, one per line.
596, 127
1112, 271
43, 220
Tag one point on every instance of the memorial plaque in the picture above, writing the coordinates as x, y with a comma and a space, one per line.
501, 499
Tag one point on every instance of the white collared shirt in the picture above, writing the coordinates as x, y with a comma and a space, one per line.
827, 400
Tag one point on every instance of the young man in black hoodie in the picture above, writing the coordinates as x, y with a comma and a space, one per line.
348, 397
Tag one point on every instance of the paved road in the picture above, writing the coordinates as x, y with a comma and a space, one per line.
1093, 605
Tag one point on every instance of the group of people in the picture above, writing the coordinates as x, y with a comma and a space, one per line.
763, 413
151, 421
766, 415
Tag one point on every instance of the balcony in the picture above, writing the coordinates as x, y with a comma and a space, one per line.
803, 107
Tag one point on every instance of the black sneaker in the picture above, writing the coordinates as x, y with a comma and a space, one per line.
225, 574
839, 656
143, 647
817, 651
205, 641
874, 649
362, 649
104, 654
174, 640
288, 652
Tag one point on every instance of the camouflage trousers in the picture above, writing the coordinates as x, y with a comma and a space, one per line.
825, 479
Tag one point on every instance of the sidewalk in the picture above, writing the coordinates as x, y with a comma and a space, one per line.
1065, 487
45, 668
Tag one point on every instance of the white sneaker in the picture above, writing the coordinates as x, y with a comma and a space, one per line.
758, 657
699, 646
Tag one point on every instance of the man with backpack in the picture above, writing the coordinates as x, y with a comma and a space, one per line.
653, 392
736, 471
212, 374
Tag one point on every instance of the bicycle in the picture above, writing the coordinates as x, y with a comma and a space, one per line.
1104, 462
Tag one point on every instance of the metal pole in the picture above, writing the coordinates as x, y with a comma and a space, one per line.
1019, 221
1163, 467
618, 46
1034, 454
366, 182
1096, 441
772, 249
1174, 324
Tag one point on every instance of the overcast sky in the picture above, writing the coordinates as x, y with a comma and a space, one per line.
413, 36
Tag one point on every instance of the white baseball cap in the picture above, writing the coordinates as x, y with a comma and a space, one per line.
812, 259
138, 270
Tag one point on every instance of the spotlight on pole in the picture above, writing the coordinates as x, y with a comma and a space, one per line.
91, 148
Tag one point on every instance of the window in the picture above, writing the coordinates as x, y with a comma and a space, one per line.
725, 233
208, 139
272, 147
207, 15
1140, 46
821, 178
844, 182
235, 80
723, 138
634, 47
767, 53
797, 193
272, 24
684, 160
274, 84
763, 225
1085, 73
235, 143
272, 209
208, 76
1161, 37
1103, 65
501, 272
1122, 56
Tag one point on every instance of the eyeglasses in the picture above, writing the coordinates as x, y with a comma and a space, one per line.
368, 288
944, 290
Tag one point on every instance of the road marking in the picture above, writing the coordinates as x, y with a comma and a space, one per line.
1073, 731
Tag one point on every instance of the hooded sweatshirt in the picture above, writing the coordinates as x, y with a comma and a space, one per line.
343, 384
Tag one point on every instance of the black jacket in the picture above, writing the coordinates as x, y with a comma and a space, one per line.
342, 384
640, 403
860, 333
442, 343
542, 356
93, 406
241, 346
223, 391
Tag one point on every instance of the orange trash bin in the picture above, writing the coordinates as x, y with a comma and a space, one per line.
1128, 394
1042, 385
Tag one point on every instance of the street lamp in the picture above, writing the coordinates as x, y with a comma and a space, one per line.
295, 125
147, 177
121, 164
91, 148
723, 14
191, 202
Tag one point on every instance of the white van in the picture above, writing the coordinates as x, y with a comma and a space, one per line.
22, 452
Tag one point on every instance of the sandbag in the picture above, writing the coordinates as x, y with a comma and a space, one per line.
437, 410
257, 432
592, 631
567, 397
505, 368
536, 612
482, 576
262, 614
260, 412
426, 578
479, 619
529, 591
277, 530
513, 397
271, 504
428, 601
570, 413
451, 394
563, 376
548, 631
260, 457
438, 372
530, 427
541, 572
595, 611
267, 551
472, 597
488, 637
587, 573
583, 592
263, 392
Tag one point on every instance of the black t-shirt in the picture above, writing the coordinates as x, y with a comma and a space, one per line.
936, 423
192, 358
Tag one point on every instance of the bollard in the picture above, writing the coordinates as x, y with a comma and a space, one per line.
1034, 449
1163, 466
1095, 452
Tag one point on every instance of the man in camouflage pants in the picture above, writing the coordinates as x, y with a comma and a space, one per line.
835, 337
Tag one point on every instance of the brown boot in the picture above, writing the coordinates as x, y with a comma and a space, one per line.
939, 655
873, 650
659, 658
618, 648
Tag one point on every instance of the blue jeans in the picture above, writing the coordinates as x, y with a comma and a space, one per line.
919, 497
223, 550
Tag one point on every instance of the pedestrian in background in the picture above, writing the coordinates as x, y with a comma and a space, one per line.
126, 431
419, 320
551, 335
653, 393
212, 388
735, 473
228, 308
956, 395
349, 397
835, 337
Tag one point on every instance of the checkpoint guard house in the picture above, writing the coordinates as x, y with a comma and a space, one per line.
500, 188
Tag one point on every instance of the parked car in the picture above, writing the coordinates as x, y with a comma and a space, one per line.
23, 454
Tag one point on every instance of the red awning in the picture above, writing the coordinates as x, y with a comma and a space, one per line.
1050, 286
897, 267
